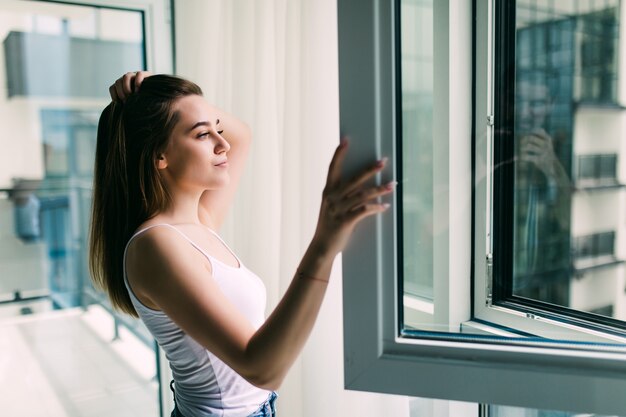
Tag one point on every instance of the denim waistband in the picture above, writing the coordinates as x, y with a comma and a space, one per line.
268, 408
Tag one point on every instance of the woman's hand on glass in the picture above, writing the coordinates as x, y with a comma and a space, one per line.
127, 84
345, 204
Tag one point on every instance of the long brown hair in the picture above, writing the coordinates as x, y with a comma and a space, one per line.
128, 189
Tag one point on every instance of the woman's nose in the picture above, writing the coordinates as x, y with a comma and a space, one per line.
222, 145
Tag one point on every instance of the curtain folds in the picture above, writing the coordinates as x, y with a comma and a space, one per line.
273, 63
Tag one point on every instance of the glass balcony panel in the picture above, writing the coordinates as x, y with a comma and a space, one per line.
68, 348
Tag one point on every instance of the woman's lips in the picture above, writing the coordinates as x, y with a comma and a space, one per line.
222, 164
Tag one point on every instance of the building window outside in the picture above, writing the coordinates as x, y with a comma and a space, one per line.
598, 31
598, 170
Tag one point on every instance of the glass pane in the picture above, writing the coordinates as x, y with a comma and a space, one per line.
67, 348
502, 411
417, 153
568, 231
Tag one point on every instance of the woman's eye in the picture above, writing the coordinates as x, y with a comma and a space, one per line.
203, 134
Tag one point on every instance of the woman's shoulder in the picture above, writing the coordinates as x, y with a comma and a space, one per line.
156, 255
154, 239
158, 247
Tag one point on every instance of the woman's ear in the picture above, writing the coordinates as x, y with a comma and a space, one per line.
161, 162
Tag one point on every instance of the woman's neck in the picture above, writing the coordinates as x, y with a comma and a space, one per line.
182, 209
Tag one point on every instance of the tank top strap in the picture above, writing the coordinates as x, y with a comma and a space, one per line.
225, 244
145, 229
202, 251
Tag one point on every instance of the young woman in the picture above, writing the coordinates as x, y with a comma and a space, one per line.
167, 167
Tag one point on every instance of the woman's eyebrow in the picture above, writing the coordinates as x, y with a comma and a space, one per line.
203, 123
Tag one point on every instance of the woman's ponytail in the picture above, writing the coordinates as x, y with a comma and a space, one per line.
110, 228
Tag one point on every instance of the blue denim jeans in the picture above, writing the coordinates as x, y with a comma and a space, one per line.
267, 409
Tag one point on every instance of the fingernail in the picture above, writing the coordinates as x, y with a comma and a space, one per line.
343, 142
386, 206
381, 162
391, 185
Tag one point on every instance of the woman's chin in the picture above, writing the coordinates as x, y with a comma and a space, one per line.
219, 184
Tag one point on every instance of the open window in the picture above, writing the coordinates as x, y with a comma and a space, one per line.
497, 277
555, 236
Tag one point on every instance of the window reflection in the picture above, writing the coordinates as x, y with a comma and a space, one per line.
568, 192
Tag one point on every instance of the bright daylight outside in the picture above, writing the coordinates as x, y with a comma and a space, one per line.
63, 351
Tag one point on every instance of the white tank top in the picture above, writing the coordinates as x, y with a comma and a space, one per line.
206, 386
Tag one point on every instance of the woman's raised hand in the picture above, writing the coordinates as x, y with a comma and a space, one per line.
127, 84
344, 204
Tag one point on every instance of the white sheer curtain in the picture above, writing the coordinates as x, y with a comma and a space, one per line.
273, 63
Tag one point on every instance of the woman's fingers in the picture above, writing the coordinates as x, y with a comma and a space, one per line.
358, 198
344, 198
139, 77
127, 84
334, 170
362, 177
119, 90
365, 210
341, 208
344, 204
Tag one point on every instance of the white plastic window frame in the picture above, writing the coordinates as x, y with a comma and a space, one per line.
157, 21
453, 366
